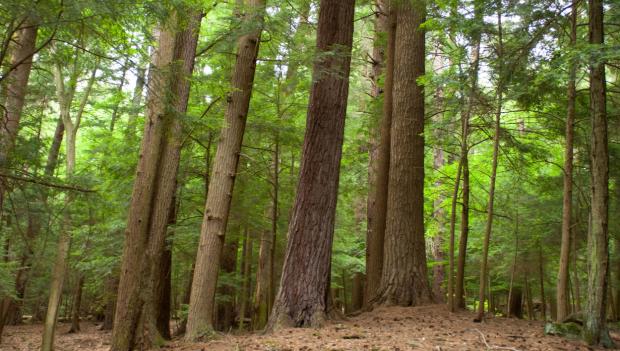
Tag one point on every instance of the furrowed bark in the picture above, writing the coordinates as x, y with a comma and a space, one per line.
305, 283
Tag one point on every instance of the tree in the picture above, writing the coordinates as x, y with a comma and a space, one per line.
141, 286
567, 196
498, 114
304, 287
15, 91
404, 278
65, 94
217, 206
595, 328
385, 25
464, 157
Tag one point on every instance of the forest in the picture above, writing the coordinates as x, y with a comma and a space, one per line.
285, 175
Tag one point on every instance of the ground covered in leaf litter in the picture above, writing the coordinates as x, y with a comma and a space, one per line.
430, 328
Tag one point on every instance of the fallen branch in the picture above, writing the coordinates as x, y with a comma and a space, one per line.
46, 183
489, 347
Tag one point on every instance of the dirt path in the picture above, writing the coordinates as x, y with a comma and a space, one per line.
386, 329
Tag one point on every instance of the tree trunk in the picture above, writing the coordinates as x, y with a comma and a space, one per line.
119, 96
357, 292
111, 286
542, 282
562, 285
77, 303
515, 303
404, 277
380, 154
261, 297
140, 287
595, 328
135, 103
65, 96
226, 292
439, 213
16, 88
489, 221
528, 292
217, 207
474, 68
304, 286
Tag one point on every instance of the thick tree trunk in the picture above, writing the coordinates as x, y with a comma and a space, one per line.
515, 303
563, 274
217, 207
140, 287
595, 328
404, 278
304, 286
16, 86
380, 154
489, 221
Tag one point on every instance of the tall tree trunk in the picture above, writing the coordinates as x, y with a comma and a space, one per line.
595, 327
16, 88
65, 96
265, 273
217, 206
489, 221
404, 278
562, 285
304, 287
140, 286
439, 213
385, 26
473, 89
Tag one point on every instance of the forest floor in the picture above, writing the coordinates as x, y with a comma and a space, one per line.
430, 328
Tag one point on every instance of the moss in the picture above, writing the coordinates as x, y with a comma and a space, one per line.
568, 330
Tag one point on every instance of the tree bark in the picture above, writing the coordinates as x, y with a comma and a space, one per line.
489, 221
77, 303
226, 306
217, 206
385, 23
404, 277
563, 274
16, 89
140, 287
595, 328
304, 287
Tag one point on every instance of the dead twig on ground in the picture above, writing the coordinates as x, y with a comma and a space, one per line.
489, 347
